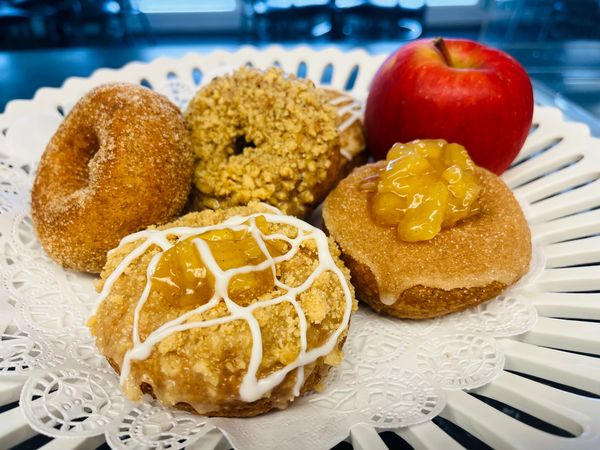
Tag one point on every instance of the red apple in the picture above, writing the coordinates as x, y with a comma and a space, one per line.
453, 89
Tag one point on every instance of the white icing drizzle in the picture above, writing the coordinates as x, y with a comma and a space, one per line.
356, 110
251, 388
346, 154
388, 299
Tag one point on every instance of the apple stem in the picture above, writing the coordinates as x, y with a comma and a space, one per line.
440, 45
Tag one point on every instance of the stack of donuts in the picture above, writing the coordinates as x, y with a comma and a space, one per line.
132, 188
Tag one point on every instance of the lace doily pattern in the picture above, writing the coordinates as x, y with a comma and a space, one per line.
72, 402
396, 373
150, 425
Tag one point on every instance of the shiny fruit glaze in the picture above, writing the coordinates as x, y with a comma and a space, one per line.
182, 278
426, 185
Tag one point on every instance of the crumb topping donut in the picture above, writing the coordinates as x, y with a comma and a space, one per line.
462, 266
350, 112
263, 136
230, 313
120, 161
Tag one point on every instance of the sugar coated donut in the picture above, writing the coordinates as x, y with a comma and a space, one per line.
120, 161
263, 136
229, 313
462, 266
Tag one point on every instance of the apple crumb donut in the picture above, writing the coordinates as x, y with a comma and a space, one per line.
263, 136
353, 142
197, 350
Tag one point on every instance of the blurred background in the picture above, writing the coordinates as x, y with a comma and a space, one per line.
42, 42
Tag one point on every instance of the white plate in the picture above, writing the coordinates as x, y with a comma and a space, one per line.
556, 173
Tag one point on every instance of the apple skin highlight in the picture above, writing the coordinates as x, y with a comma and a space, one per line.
483, 101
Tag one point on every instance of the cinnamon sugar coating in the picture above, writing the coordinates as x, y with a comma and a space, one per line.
201, 369
263, 136
462, 266
120, 161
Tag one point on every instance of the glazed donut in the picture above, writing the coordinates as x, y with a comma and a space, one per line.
120, 161
263, 136
462, 266
349, 122
208, 368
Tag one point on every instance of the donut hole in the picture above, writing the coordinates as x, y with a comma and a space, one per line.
80, 162
240, 144
91, 154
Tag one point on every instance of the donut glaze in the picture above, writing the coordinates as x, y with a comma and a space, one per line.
120, 161
204, 356
462, 266
349, 123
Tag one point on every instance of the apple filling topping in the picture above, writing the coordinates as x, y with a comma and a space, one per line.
183, 279
424, 186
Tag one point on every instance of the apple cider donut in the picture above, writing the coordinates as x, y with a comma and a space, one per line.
231, 312
263, 136
462, 266
350, 126
120, 161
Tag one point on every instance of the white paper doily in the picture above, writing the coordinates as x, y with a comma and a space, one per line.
396, 373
